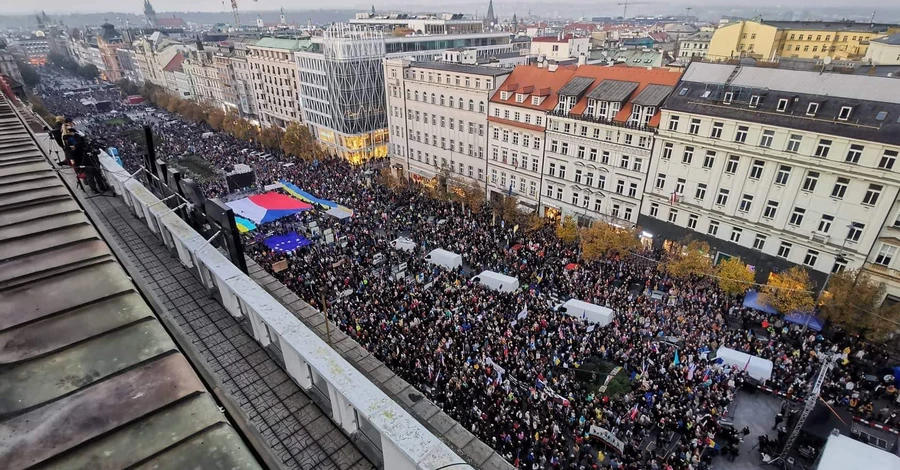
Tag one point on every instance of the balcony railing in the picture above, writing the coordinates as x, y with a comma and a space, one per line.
605, 122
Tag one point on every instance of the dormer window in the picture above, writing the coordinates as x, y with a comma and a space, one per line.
566, 103
520, 98
754, 101
782, 105
728, 96
812, 109
591, 108
536, 100
504, 95
845, 113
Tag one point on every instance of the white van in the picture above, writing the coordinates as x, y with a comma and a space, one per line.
447, 259
591, 313
497, 281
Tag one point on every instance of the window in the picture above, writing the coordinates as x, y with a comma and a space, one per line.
809, 183
872, 194
692, 221
811, 257
722, 198
632, 190
625, 161
855, 231
605, 157
887, 160
771, 210
812, 109
785, 249
782, 105
559, 193
736, 235
660, 181
759, 242
620, 186
713, 228
575, 197
756, 170
825, 223
589, 179
840, 188
667, 150
694, 128
754, 101
716, 132
732, 165
638, 164
673, 123
823, 148
654, 210
746, 203
793, 144
741, 135
885, 254
688, 155
727, 98
551, 169
797, 216
592, 155
709, 160
580, 153
766, 139
554, 146
615, 211
562, 171
679, 186
701, 191
854, 154
784, 173
845, 113
601, 181
564, 148
673, 215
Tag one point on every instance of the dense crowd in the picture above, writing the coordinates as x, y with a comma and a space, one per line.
508, 366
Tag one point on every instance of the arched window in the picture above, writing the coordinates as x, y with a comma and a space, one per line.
417, 96
432, 98
481, 106
471, 105
451, 102
460, 103
442, 100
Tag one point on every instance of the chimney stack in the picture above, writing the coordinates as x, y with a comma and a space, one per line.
582, 59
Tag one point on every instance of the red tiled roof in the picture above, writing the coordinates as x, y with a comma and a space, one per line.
565, 38
548, 84
175, 63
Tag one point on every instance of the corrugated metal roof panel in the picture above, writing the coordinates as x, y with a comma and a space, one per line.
576, 86
653, 95
855, 87
615, 91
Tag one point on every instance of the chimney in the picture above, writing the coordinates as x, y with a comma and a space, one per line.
552, 67
582, 59
540, 63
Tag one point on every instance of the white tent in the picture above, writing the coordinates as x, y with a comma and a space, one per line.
447, 259
497, 281
842, 453
757, 367
404, 244
590, 313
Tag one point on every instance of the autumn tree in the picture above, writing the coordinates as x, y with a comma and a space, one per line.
270, 136
789, 291
387, 178
215, 118
692, 258
473, 197
172, 104
852, 302
602, 239
734, 277
534, 222
567, 230
507, 209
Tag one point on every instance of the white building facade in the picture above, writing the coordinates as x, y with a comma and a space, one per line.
437, 118
275, 79
759, 164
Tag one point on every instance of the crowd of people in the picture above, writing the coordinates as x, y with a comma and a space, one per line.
509, 366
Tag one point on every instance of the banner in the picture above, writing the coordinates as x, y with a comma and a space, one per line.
608, 437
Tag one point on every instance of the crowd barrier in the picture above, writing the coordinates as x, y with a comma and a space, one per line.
354, 403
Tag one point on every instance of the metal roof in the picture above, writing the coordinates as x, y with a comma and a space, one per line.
462, 68
88, 374
703, 72
576, 86
653, 95
613, 90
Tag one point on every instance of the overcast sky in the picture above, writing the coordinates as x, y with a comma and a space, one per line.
136, 6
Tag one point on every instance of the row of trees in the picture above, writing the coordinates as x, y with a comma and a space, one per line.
296, 140
87, 72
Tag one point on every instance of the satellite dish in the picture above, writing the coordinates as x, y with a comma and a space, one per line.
826, 60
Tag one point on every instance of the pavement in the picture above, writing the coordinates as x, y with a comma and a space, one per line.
757, 411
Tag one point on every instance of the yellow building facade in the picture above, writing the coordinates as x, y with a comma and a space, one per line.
795, 39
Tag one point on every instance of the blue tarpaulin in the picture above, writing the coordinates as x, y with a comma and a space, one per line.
752, 300
815, 323
289, 242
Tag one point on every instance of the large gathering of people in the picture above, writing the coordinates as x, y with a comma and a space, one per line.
510, 366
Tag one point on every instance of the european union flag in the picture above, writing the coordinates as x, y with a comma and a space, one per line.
289, 242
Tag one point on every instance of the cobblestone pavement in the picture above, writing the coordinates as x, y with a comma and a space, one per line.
297, 430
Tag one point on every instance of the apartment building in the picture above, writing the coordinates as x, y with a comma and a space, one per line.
437, 117
560, 47
275, 79
200, 66
779, 167
599, 140
517, 116
243, 78
694, 45
768, 40
444, 23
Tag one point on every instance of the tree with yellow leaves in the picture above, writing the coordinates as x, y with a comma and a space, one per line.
507, 209
270, 136
215, 118
602, 239
567, 230
692, 258
789, 291
734, 276
473, 197
852, 302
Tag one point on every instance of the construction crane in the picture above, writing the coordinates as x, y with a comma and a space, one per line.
234, 11
625, 4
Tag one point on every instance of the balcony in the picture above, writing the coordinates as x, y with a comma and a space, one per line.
605, 122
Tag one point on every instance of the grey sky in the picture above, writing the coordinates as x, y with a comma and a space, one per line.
136, 6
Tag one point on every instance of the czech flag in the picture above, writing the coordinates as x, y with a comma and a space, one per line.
262, 208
